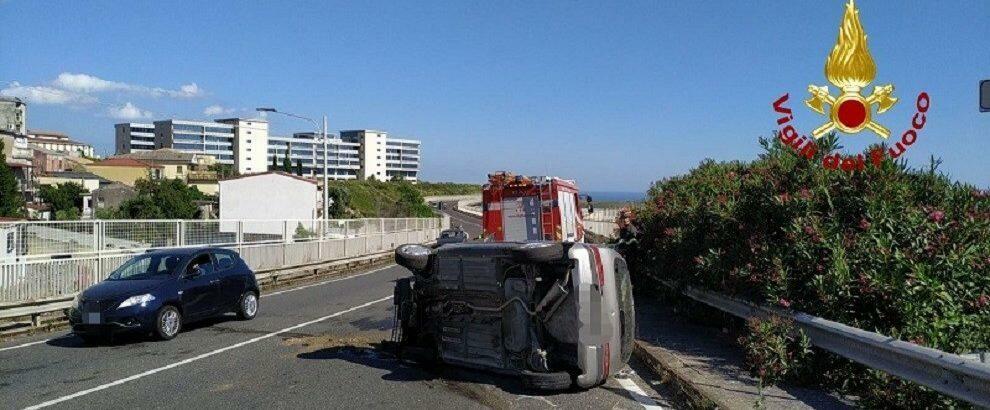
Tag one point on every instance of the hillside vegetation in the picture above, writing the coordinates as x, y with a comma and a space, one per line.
900, 251
389, 199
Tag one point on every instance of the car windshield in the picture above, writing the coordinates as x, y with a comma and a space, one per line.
146, 266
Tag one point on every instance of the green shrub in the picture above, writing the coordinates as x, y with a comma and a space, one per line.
894, 250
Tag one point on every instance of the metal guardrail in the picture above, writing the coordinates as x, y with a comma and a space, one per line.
950, 374
37, 274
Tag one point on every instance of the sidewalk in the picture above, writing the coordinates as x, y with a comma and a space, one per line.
707, 367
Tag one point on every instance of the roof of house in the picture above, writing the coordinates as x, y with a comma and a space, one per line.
113, 187
73, 175
284, 174
124, 162
159, 155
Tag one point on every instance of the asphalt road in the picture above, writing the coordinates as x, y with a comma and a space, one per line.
313, 346
470, 223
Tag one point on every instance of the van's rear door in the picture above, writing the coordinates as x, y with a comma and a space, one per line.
521, 219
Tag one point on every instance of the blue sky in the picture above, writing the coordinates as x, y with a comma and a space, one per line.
613, 94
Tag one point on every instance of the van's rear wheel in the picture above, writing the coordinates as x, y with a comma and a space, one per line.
553, 381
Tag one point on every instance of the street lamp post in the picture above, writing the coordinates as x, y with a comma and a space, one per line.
326, 177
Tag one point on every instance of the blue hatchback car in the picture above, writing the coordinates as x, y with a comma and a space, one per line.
160, 291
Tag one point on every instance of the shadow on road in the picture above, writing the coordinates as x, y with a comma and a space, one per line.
72, 341
381, 356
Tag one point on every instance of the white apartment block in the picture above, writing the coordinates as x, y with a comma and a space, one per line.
306, 148
385, 158
250, 144
246, 145
241, 143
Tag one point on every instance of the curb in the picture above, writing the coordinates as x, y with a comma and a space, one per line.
669, 368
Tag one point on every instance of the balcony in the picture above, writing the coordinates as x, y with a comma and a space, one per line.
201, 176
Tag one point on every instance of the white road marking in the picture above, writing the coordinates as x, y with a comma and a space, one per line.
637, 393
200, 357
29, 344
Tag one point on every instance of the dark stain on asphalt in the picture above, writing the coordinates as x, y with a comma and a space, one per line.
22, 370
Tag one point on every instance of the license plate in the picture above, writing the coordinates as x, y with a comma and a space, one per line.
91, 318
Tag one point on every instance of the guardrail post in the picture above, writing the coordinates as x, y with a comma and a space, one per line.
180, 239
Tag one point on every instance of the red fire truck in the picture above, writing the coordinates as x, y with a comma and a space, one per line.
519, 208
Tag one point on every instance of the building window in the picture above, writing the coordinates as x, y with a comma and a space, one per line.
249, 132
249, 150
248, 158
179, 168
248, 141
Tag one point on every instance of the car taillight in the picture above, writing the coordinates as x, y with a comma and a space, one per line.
599, 269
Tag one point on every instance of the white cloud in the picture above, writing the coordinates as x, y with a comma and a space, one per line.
85, 83
45, 95
218, 110
129, 111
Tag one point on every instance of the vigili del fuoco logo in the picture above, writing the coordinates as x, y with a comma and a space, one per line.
850, 68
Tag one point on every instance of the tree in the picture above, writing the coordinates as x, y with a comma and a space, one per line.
286, 163
65, 199
162, 199
11, 201
299, 167
223, 170
274, 162
339, 198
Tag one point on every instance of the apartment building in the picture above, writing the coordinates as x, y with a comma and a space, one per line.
13, 115
250, 144
57, 141
241, 143
306, 148
384, 158
132, 137
246, 145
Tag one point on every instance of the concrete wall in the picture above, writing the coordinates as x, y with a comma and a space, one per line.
267, 196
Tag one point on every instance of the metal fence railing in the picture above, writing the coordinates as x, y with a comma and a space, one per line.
51, 260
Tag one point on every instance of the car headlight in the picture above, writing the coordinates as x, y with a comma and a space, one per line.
137, 300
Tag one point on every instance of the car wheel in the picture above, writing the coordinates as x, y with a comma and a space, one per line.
553, 381
539, 252
168, 323
247, 308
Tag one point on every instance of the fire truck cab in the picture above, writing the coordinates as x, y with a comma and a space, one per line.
519, 208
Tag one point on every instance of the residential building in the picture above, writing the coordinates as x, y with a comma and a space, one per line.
250, 144
13, 115
198, 137
269, 195
112, 195
343, 160
19, 157
402, 159
89, 181
57, 141
124, 170
191, 168
134, 137
385, 158
245, 145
